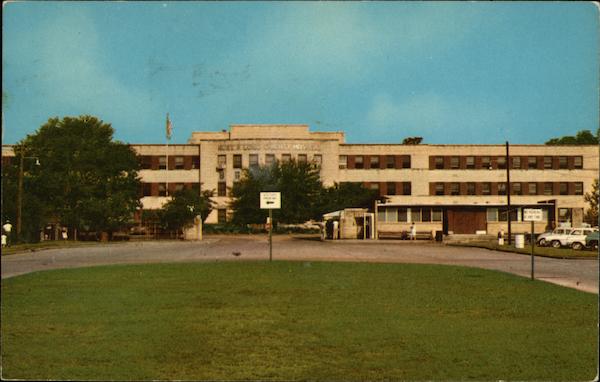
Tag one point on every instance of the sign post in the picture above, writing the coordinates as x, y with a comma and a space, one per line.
270, 201
532, 215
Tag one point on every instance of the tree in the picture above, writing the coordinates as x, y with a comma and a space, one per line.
180, 211
345, 195
412, 140
583, 137
298, 183
86, 180
591, 215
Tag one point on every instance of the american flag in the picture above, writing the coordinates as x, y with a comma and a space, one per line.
169, 127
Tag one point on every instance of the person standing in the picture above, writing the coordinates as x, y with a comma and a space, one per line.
413, 231
7, 227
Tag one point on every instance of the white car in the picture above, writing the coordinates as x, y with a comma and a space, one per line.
576, 239
569, 237
547, 237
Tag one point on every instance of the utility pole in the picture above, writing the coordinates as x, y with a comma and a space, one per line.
508, 193
20, 194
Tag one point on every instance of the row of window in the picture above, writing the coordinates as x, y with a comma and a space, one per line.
373, 161
499, 162
179, 162
160, 189
409, 215
269, 159
517, 188
390, 188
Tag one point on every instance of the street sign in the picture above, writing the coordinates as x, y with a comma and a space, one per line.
270, 200
532, 215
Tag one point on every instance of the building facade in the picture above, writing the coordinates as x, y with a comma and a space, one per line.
450, 188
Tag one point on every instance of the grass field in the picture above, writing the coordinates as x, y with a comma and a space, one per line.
294, 320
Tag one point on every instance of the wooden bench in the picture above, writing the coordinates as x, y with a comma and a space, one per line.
405, 235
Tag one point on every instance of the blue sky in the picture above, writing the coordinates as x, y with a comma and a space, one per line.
468, 72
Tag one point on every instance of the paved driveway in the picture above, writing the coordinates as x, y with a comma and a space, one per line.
579, 274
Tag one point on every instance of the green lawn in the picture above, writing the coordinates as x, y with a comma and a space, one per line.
294, 320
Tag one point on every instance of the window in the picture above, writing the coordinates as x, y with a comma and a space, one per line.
439, 188
547, 163
381, 215
492, 214
563, 163
426, 214
302, 158
391, 214
454, 188
222, 215
390, 161
470, 162
195, 162
513, 215
454, 162
285, 158
406, 188
253, 160
237, 160
221, 189
532, 163
486, 163
162, 189
390, 188
402, 215
222, 176
564, 215
436, 215
178, 187
578, 162
470, 188
516, 162
269, 159
516, 188
578, 188
237, 175
374, 161
406, 161
146, 162
178, 163
439, 163
486, 188
162, 163
359, 161
501, 188
374, 186
548, 188
563, 188
415, 215
221, 161
343, 161
317, 159
501, 162
532, 188
146, 189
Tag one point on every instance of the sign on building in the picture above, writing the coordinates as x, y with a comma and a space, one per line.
532, 215
270, 200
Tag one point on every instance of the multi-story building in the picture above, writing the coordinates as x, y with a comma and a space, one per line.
452, 188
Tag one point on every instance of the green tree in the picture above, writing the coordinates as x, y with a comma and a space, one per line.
412, 141
345, 195
591, 215
86, 180
298, 183
180, 211
583, 137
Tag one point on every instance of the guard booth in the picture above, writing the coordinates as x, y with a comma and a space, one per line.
349, 223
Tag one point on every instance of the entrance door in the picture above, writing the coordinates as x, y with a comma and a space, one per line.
466, 221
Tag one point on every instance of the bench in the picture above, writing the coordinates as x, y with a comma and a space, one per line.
404, 235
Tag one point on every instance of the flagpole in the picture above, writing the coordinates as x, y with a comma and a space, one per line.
167, 156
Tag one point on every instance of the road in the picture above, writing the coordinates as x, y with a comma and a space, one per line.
580, 274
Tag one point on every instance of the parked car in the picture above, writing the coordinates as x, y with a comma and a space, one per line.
574, 239
547, 237
591, 240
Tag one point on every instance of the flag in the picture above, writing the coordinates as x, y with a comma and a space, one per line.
169, 127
